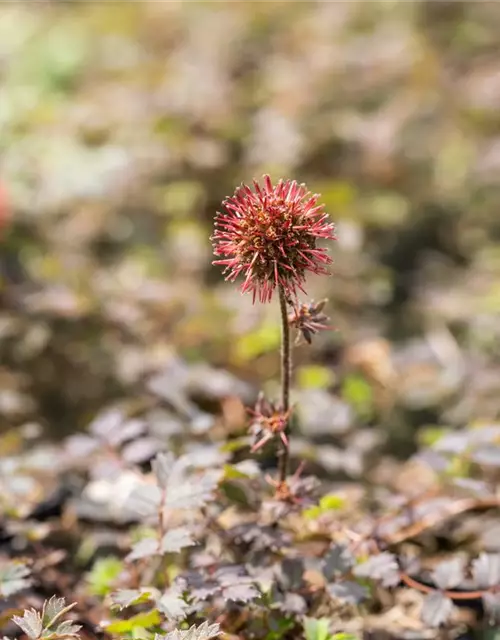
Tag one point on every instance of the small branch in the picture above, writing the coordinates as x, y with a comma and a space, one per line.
286, 374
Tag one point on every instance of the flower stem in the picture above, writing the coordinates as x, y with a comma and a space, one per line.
286, 373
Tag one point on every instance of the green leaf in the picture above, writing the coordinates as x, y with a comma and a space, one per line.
145, 620
330, 502
344, 636
337, 195
128, 597
265, 339
358, 393
317, 628
232, 473
235, 492
279, 628
429, 436
103, 574
235, 445
314, 377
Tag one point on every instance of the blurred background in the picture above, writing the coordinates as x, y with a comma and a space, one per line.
122, 128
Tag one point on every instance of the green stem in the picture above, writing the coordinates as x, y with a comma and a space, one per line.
286, 374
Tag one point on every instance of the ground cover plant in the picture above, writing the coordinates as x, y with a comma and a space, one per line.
216, 546
293, 448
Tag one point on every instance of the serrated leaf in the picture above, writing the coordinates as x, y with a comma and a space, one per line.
383, 567
317, 628
337, 561
54, 607
30, 623
193, 492
144, 620
176, 539
204, 632
145, 548
144, 500
128, 597
236, 586
173, 606
58, 608
486, 570
14, 577
68, 629
240, 592
162, 467
348, 591
436, 610
449, 574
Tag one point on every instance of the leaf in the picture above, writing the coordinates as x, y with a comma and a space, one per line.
103, 575
436, 610
30, 623
332, 502
252, 344
194, 492
337, 561
383, 567
162, 467
204, 632
317, 628
235, 585
489, 456
279, 627
68, 629
449, 574
144, 620
314, 377
128, 597
290, 574
176, 539
244, 592
173, 606
348, 591
486, 570
52, 609
144, 500
14, 576
357, 392
145, 548
292, 603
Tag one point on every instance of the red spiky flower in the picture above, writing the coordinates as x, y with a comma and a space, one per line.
269, 235
269, 421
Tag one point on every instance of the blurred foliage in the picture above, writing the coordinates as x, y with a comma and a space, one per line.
123, 127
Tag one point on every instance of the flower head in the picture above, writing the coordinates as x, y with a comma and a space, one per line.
309, 319
269, 235
269, 421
